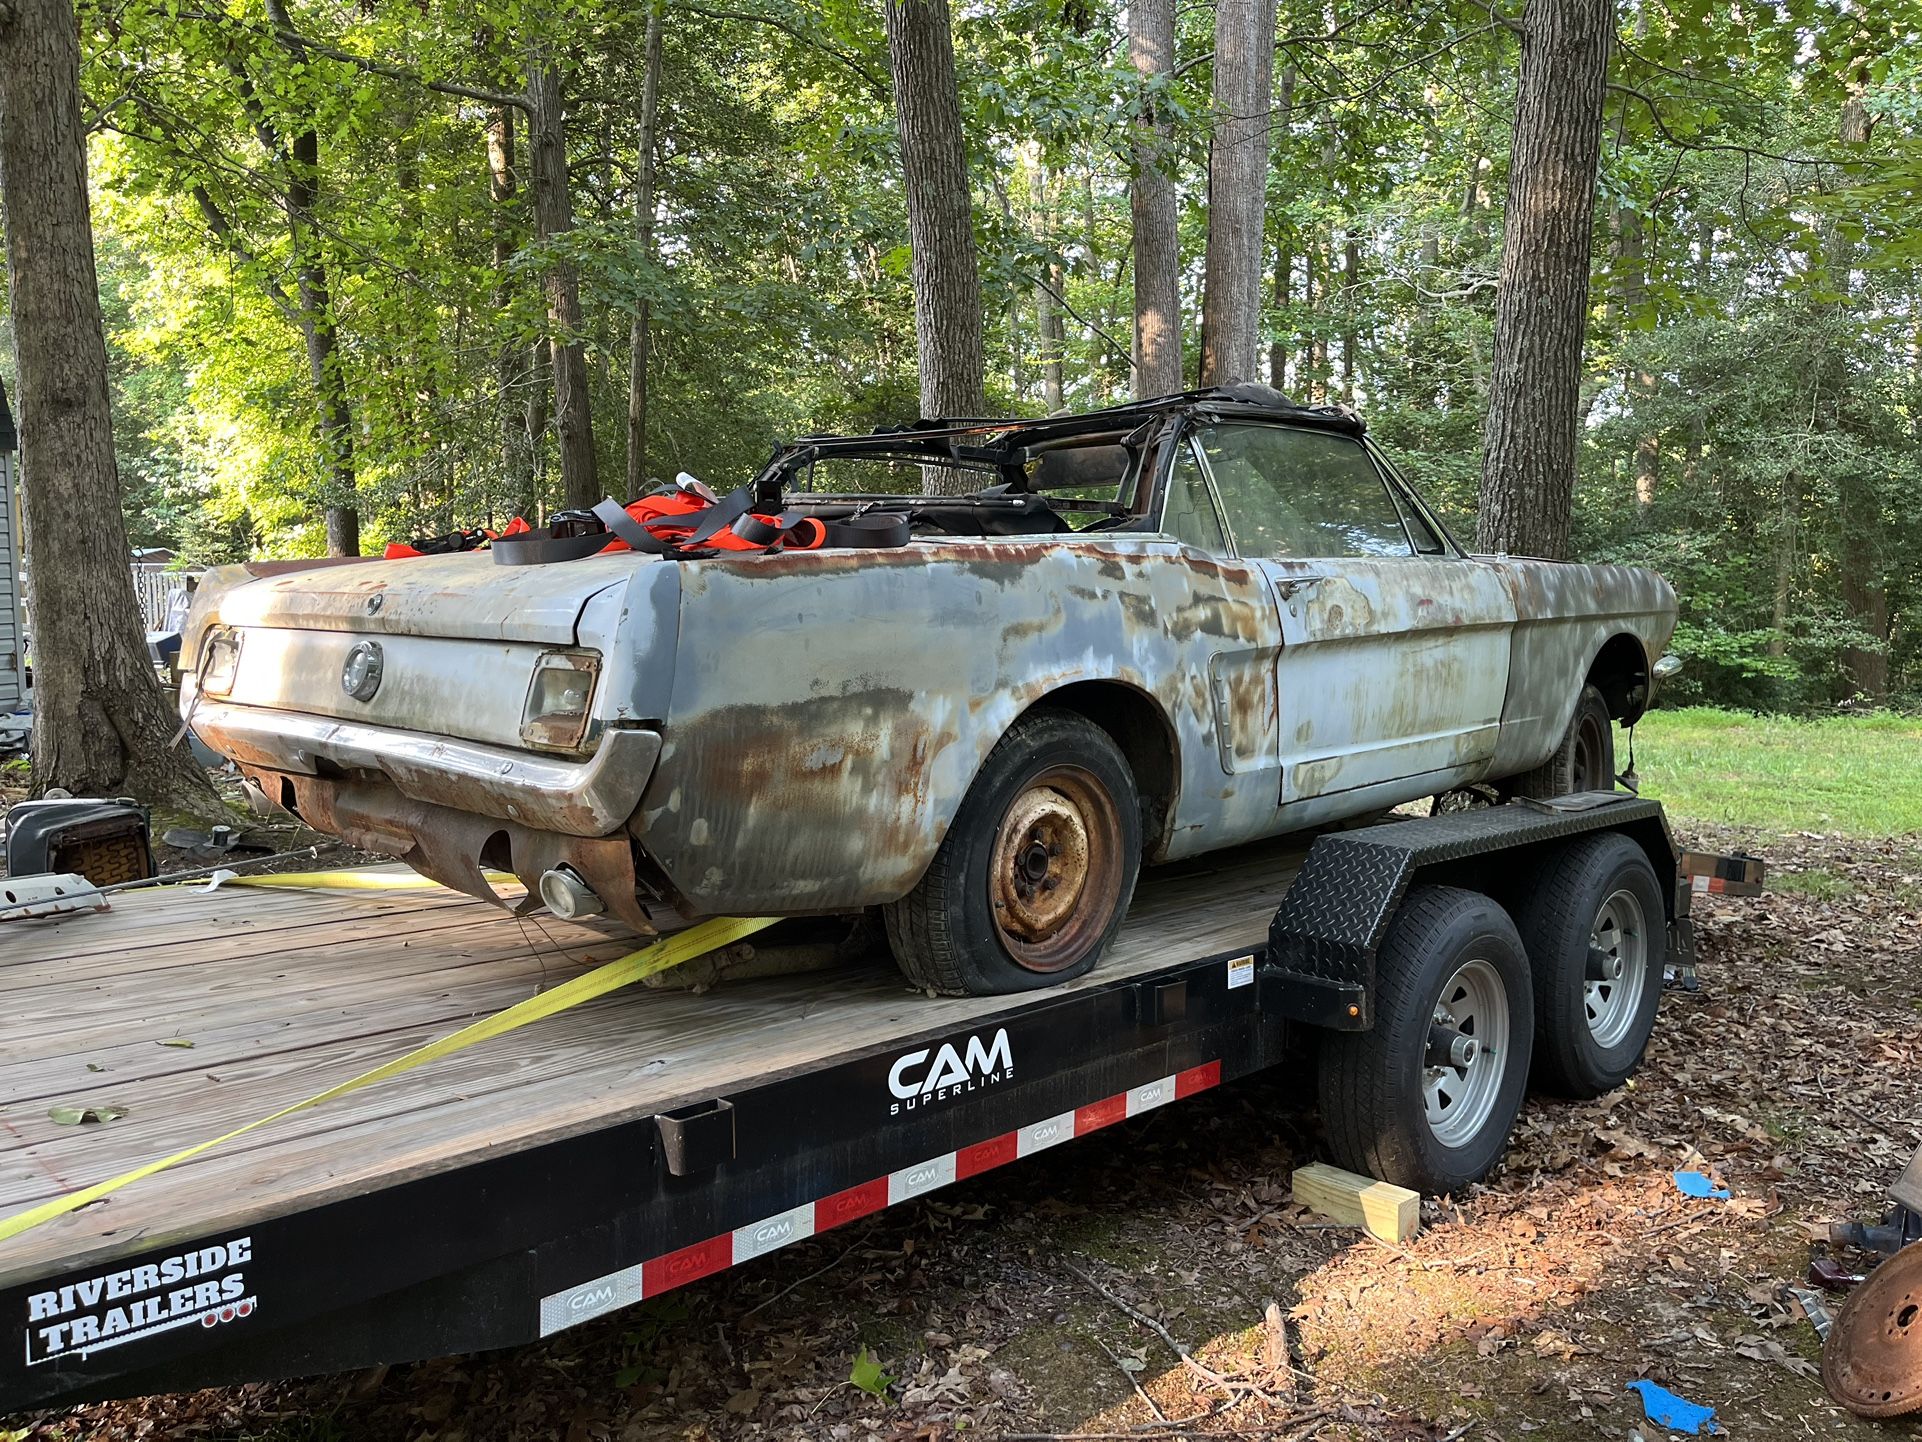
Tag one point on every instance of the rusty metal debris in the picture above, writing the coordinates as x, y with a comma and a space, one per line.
1872, 1362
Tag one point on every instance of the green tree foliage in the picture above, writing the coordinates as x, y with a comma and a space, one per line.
1755, 346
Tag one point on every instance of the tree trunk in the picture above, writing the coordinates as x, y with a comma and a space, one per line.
1350, 284
1154, 208
1051, 332
1789, 508
510, 361
638, 339
1864, 590
1284, 249
316, 312
324, 365
554, 216
1097, 345
1541, 305
1631, 297
934, 168
1052, 336
101, 724
1237, 190
1278, 347
1315, 361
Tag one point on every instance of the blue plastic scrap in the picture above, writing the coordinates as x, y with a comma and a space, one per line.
1697, 1184
1665, 1409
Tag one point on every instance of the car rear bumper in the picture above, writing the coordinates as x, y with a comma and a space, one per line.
595, 797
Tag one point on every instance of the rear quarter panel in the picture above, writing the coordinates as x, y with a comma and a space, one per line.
1564, 615
830, 709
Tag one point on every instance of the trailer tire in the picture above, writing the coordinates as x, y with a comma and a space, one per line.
1382, 1101
1590, 1032
1053, 816
1584, 759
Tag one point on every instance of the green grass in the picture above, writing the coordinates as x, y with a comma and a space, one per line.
1854, 775
1817, 882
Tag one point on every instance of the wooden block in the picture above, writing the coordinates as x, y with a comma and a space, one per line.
1382, 1209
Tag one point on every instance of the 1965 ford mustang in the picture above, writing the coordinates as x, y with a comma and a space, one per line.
1030, 657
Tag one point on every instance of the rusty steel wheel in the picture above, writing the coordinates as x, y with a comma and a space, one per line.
1592, 763
1056, 870
1872, 1361
1036, 871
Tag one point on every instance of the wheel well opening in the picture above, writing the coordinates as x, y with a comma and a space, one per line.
1145, 739
1620, 673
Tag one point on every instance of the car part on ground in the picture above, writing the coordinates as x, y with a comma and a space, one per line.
105, 841
1034, 876
47, 895
1426, 1097
1592, 923
1872, 1360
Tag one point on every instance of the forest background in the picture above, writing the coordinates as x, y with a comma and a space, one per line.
332, 317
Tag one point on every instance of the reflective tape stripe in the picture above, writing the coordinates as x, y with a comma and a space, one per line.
590, 1300
758, 1238
717, 1254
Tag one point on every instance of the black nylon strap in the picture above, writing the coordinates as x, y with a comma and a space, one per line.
723, 513
531, 549
877, 530
612, 514
753, 528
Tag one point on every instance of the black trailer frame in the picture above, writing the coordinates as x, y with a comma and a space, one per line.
506, 1249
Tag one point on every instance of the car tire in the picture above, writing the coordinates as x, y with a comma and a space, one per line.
1594, 1015
1387, 1108
1035, 874
1584, 759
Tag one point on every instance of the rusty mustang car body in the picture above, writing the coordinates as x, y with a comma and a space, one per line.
1092, 641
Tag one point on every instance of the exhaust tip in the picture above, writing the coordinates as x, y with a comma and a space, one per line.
567, 896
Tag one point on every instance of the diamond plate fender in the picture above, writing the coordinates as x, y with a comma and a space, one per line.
1324, 938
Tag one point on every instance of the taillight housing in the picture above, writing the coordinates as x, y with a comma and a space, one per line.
558, 715
219, 660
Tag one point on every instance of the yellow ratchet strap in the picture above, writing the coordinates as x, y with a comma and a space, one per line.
349, 880
663, 955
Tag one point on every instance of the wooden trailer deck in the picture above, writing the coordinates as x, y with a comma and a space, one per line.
284, 993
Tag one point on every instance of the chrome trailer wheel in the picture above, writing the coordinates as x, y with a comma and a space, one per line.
1593, 920
1467, 1053
1426, 1097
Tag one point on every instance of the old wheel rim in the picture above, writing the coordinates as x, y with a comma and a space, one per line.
1585, 769
1055, 876
1620, 936
1461, 1098
1872, 1362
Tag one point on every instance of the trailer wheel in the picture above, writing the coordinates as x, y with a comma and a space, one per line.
1596, 936
1036, 873
1426, 1098
1583, 761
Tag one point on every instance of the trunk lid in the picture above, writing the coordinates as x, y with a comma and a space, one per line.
467, 596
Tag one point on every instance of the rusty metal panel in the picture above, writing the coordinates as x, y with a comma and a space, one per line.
443, 685
831, 708
1564, 615
1391, 668
458, 595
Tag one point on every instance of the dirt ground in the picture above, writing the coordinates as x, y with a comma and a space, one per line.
1045, 1300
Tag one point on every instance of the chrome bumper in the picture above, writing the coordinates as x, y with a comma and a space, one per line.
576, 798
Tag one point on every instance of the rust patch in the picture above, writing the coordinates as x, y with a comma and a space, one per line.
452, 846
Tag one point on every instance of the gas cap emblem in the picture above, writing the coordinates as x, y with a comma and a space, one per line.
360, 677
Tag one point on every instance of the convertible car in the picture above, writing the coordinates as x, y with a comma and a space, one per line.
972, 673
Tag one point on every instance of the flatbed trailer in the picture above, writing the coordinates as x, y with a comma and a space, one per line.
625, 1147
